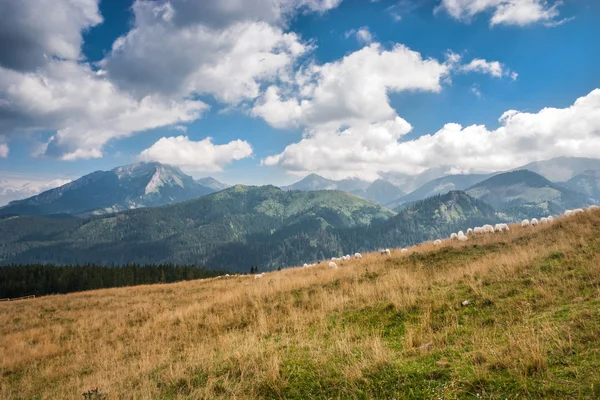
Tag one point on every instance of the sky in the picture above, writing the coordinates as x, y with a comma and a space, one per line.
268, 91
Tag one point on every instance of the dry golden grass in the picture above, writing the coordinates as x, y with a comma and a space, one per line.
382, 327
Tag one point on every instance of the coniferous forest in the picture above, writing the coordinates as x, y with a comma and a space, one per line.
38, 279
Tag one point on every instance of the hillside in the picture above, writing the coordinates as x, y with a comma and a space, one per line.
428, 219
382, 327
238, 228
439, 186
123, 188
518, 188
588, 182
242, 225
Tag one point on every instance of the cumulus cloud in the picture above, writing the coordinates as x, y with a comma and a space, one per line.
33, 32
368, 151
505, 12
176, 50
3, 150
223, 13
158, 56
351, 90
192, 156
84, 110
355, 89
15, 187
227, 49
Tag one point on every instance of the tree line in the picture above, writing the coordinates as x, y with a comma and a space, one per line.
42, 279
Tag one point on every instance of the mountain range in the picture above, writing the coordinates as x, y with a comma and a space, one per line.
379, 191
237, 228
562, 169
151, 213
518, 188
132, 186
439, 186
394, 190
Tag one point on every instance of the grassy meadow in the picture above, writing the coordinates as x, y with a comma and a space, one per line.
382, 327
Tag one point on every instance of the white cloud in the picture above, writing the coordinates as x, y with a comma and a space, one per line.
360, 151
369, 150
3, 150
85, 110
355, 89
505, 12
493, 68
34, 31
475, 90
363, 35
15, 187
175, 50
158, 56
180, 128
227, 49
193, 156
351, 90
223, 13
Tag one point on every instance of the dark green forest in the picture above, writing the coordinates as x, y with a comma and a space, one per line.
238, 228
39, 279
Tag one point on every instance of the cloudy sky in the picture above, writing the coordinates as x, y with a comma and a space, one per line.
266, 91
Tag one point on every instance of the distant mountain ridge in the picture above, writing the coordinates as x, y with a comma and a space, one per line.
379, 191
212, 183
524, 187
588, 182
317, 182
136, 185
561, 169
441, 185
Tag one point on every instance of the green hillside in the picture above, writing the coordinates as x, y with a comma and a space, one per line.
514, 189
204, 231
238, 228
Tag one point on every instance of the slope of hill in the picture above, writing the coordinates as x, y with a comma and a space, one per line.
432, 218
439, 186
588, 183
561, 169
518, 188
131, 186
242, 225
381, 327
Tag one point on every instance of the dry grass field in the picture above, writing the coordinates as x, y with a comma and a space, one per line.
382, 327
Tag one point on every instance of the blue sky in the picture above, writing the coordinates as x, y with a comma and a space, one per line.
345, 88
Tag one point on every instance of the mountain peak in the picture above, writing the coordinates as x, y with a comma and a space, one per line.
141, 184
